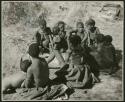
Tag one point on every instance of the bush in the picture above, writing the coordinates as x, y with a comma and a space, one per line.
22, 12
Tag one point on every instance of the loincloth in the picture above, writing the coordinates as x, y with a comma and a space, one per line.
47, 93
81, 77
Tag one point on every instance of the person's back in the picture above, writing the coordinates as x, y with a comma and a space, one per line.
40, 71
80, 72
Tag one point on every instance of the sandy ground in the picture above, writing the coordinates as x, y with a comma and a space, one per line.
15, 38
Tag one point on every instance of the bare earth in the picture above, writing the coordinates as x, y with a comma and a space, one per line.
15, 37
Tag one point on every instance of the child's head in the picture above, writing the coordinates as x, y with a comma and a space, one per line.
108, 39
61, 25
34, 50
37, 38
99, 38
74, 40
80, 26
42, 23
24, 65
90, 23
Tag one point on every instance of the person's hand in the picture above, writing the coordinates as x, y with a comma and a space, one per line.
23, 85
68, 50
57, 39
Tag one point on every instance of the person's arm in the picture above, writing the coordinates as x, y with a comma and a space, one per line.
68, 34
51, 42
28, 78
87, 34
51, 57
76, 74
59, 57
23, 84
85, 37
46, 42
46, 36
97, 30
68, 54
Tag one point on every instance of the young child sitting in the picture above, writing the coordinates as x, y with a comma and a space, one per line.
59, 30
80, 31
104, 53
110, 54
42, 35
59, 43
91, 30
79, 72
38, 73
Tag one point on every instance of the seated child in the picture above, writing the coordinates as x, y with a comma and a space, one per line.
80, 31
59, 30
105, 52
79, 72
110, 54
59, 43
38, 73
42, 35
91, 30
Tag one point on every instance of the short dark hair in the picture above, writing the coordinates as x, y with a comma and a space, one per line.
34, 50
75, 40
90, 22
80, 23
61, 22
56, 27
24, 65
108, 38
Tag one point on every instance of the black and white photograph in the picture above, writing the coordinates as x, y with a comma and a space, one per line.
62, 50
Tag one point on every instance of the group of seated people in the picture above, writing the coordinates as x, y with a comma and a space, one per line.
87, 52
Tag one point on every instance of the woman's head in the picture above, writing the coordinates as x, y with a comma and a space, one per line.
80, 26
42, 23
90, 23
61, 25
